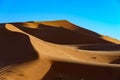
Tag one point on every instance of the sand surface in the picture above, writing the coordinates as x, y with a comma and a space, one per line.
56, 50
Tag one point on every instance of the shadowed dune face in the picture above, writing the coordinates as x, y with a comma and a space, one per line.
60, 35
71, 71
115, 61
15, 47
70, 26
100, 47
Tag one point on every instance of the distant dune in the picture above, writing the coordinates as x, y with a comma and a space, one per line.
56, 50
61, 32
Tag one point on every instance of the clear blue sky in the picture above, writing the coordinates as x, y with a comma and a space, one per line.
102, 16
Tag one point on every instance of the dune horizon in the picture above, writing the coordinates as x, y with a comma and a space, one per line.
56, 50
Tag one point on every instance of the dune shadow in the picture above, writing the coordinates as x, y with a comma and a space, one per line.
72, 71
86, 32
59, 35
100, 47
15, 47
115, 61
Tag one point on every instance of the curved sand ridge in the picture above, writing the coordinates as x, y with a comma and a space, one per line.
57, 62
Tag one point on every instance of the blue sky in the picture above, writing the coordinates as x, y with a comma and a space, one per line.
102, 16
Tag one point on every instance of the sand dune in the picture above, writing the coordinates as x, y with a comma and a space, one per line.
63, 33
56, 50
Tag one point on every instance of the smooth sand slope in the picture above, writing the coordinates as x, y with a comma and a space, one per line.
56, 50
